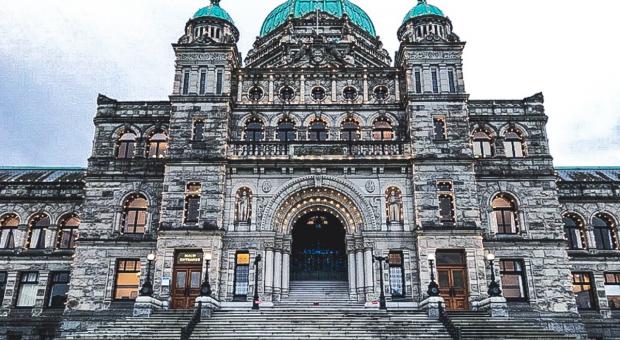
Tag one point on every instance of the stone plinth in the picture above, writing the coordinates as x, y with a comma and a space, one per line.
146, 305
431, 306
496, 305
209, 305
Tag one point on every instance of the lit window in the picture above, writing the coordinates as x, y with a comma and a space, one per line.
505, 213
158, 146
254, 130
604, 232
350, 130
397, 277
67, 232
575, 231
286, 130
482, 144
514, 282
127, 280
39, 229
192, 203
126, 145
199, 131
27, 294
612, 290
349, 93
8, 230
439, 129
513, 144
382, 129
318, 130
242, 275
583, 287
57, 291
134, 215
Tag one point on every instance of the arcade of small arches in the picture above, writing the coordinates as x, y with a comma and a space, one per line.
318, 93
484, 142
39, 232
156, 143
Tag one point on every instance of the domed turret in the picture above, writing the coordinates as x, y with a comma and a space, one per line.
426, 22
299, 8
211, 24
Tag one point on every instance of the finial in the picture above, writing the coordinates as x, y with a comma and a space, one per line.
421, 2
215, 2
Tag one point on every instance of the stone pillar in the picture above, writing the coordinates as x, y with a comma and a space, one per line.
286, 264
302, 89
352, 275
359, 270
268, 271
368, 271
277, 279
397, 87
410, 81
365, 87
240, 88
334, 89
270, 88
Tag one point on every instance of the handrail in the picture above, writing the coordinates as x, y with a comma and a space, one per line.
454, 330
186, 332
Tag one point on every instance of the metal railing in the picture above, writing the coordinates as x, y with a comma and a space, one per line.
454, 330
186, 332
316, 148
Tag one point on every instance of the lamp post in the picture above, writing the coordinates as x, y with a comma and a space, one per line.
382, 304
433, 287
494, 289
255, 300
205, 288
147, 286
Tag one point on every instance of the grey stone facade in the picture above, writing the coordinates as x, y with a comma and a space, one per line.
351, 180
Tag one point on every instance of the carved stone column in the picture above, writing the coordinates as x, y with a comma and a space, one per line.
359, 270
286, 268
369, 283
268, 271
277, 277
352, 275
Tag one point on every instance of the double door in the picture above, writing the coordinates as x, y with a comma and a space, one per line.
453, 286
186, 286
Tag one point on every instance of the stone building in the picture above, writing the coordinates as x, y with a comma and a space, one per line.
323, 155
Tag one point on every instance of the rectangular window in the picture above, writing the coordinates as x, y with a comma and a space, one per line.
127, 279
242, 274
199, 131
447, 209
57, 291
219, 82
186, 82
514, 281
27, 294
612, 289
439, 129
506, 223
3, 279
397, 277
451, 81
435, 77
418, 80
203, 81
192, 203
583, 287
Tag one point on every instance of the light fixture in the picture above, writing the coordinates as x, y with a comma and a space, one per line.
150, 257
431, 257
490, 257
208, 256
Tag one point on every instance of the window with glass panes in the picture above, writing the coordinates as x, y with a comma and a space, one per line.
126, 146
583, 287
286, 130
439, 128
451, 80
127, 280
575, 231
417, 75
199, 131
604, 232
67, 232
3, 279
483, 146
350, 130
158, 145
203, 81
242, 274
186, 75
39, 229
317, 131
192, 202
435, 79
612, 290
505, 213
254, 130
8, 228
397, 274
447, 209
134, 215
514, 283
57, 290
513, 144
27, 290
382, 129
219, 82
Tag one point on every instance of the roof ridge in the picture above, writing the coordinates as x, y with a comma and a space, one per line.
576, 168
44, 168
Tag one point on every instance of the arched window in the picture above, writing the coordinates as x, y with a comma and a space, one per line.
8, 230
135, 214
318, 93
255, 94
574, 227
513, 144
286, 130
349, 93
604, 232
350, 130
483, 146
254, 130
382, 129
157, 145
38, 231
381, 92
67, 232
199, 131
317, 131
126, 145
287, 93
505, 214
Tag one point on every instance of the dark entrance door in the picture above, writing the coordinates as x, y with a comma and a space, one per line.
318, 252
186, 280
452, 277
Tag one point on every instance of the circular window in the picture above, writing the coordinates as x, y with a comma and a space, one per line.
256, 93
349, 93
287, 93
381, 92
318, 93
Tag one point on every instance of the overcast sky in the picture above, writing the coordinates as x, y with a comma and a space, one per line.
57, 55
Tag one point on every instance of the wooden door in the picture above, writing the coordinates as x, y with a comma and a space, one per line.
453, 286
186, 286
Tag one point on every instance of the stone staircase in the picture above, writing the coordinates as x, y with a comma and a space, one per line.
475, 325
333, 293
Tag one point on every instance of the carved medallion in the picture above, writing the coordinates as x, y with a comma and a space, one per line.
370, 187
266, 186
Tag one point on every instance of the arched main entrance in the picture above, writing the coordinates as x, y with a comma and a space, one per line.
318, 248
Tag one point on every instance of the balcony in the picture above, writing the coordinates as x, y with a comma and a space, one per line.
316, 149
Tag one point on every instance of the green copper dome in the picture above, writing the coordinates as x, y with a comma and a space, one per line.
299, 8
422, 9
215, 11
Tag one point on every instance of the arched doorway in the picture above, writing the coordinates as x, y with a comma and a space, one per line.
318, 248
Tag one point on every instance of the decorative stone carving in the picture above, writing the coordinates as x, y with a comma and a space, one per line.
370, 187
267, 187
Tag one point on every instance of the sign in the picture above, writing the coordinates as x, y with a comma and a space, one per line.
189, 258
243, 259
165, 281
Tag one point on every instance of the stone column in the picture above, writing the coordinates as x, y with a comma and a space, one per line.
365, 87
359, 270
302, 89
286, 260
270, 88
368, 269
240, 88
334, 89
277, 279
269, 271
397, 86
352, 275
410, 81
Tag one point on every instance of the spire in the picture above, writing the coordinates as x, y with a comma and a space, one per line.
215, 2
